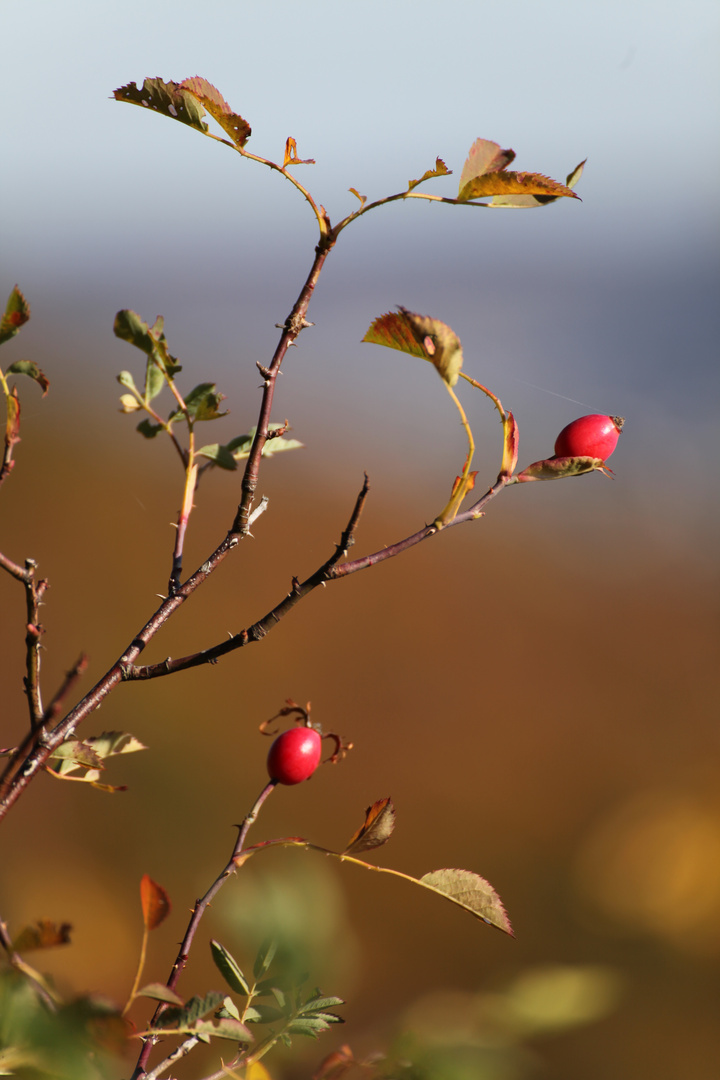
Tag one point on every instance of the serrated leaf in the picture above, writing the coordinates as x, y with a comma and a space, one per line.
75, 754
44, 934
321, 1003
485, 156
420, 335
155, 902
440, 169
471, 892
513, 183
17, 313
229, 968
233, 125
310, 1025
556, 468
30, 368
376, 829
167, 98
510, 446
160, 992
195, 1009
538, 200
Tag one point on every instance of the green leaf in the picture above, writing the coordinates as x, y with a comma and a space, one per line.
419, 335
159, 992
238, 129
195, 1009
229, 968
167, 98
30, 368
312, 1025
218, 455
265, 957
128, 326
17, 313
556, 468
440, 169
224, 1028
471, 892
321, 1003
154, 378
264, 1014
201, 403
149, 429
125, 379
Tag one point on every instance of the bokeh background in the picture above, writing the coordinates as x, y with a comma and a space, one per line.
538, 692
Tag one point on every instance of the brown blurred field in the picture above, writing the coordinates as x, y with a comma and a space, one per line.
538, 693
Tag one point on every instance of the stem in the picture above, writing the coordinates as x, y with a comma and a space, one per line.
139, 971
191, 473
198, 912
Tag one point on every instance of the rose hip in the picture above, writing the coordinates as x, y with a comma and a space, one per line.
589, 436
294, 756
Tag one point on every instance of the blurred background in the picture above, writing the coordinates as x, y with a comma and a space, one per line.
538, 692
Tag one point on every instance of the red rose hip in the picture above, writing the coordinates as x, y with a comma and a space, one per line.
294, 756
590, 436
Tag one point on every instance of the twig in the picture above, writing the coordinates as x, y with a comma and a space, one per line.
198, 912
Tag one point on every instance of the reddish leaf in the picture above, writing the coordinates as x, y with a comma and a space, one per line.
419, 335
12, 424
376, 830
238, 129
17, 313
485, 157
45, 934
335, 1065
155, 902
555, 468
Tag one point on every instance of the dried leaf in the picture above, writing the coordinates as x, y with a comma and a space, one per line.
555, 468
356, 193
45, 934
155, 902
12, 422
238, 129
440, 169
472, 892
376, 830
485, 157
335, 1065
420, 335
291, 156
17, 313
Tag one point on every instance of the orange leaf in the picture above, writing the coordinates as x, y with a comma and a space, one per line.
155, 902
420, 335
291, 155
513, 183
440, 169
485, 157
376, 830
43, 935
510, 448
